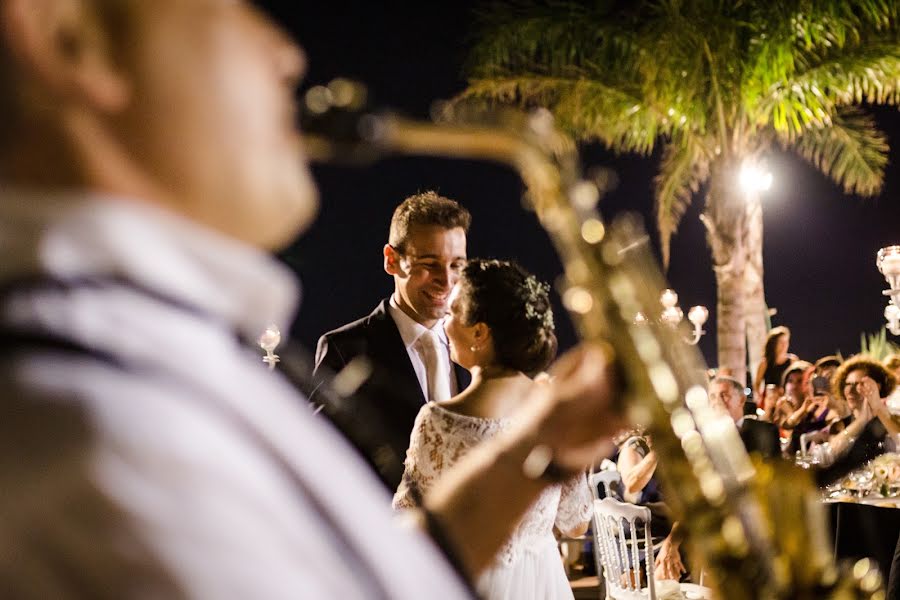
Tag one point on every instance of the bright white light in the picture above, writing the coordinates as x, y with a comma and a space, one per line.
668, 298
698, 315
753, 178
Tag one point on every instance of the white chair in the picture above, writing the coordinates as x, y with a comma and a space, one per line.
612, 488
621, 550
612, 483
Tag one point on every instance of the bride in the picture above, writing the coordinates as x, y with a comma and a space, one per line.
500, 327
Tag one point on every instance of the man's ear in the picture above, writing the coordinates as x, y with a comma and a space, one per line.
391, 260
64, 47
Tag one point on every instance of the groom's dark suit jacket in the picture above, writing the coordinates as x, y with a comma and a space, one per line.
392, 389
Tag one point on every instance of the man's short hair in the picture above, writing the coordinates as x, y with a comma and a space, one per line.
427, 208
737, 385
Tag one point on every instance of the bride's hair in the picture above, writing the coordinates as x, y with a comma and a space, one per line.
516, 307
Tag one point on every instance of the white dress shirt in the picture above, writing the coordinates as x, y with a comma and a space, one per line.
411, 331
194, 450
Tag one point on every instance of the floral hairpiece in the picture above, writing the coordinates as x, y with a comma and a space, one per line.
535, 310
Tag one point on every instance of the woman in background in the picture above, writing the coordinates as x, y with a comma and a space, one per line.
776, 360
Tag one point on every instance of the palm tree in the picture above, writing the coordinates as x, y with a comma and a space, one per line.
719, 84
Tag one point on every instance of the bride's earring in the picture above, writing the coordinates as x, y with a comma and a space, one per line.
473, 348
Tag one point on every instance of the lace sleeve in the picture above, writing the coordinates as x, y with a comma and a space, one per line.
574, 504
419, 470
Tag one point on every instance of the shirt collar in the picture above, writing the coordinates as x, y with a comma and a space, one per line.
74, 235
411, 330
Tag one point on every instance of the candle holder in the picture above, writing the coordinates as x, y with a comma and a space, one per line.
892, 316
268, 341
672, 315
888, 262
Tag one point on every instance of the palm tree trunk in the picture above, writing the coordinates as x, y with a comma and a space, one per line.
725, 217
755, 308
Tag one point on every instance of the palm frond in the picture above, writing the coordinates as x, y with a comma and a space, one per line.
547, 37
806, 58
683, 170
876, 345
852, 151
865, 74
811, 97
586, 108
838, 23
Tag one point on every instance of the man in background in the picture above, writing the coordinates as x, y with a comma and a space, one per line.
727, 394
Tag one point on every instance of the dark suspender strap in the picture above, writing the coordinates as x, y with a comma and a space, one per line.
438, 534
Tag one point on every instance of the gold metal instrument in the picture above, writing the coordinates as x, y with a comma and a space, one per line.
757, 529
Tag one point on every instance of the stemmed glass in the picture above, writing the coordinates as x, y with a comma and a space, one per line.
863, 479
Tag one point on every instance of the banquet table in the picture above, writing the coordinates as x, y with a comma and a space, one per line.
865, 528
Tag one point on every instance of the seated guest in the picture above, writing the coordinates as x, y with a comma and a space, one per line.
821, 386
500, 328
838, 413
815, 412
826, 366
789, 409
865, 384
727, 394
892, 364
637, 465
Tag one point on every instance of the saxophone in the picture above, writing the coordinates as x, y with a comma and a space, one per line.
757, 529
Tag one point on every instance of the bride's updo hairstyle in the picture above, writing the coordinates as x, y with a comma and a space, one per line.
516, 307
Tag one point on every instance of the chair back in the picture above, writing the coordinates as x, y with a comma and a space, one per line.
612, 484
621, 549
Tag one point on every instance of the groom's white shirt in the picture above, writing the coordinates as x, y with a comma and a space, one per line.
411, 333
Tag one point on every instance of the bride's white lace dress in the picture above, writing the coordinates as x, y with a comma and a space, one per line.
529, 565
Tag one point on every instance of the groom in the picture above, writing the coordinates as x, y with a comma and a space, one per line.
402, 340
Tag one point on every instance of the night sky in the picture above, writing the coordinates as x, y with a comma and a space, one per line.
820, 244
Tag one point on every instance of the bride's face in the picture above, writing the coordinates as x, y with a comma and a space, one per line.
463, 343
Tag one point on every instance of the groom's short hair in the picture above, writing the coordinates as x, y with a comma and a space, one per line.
427, 208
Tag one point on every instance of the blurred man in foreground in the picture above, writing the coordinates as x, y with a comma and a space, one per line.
148, 160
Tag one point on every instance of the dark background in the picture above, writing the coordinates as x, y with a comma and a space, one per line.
820, 244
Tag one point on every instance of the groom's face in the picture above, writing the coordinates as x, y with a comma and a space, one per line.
429, 267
